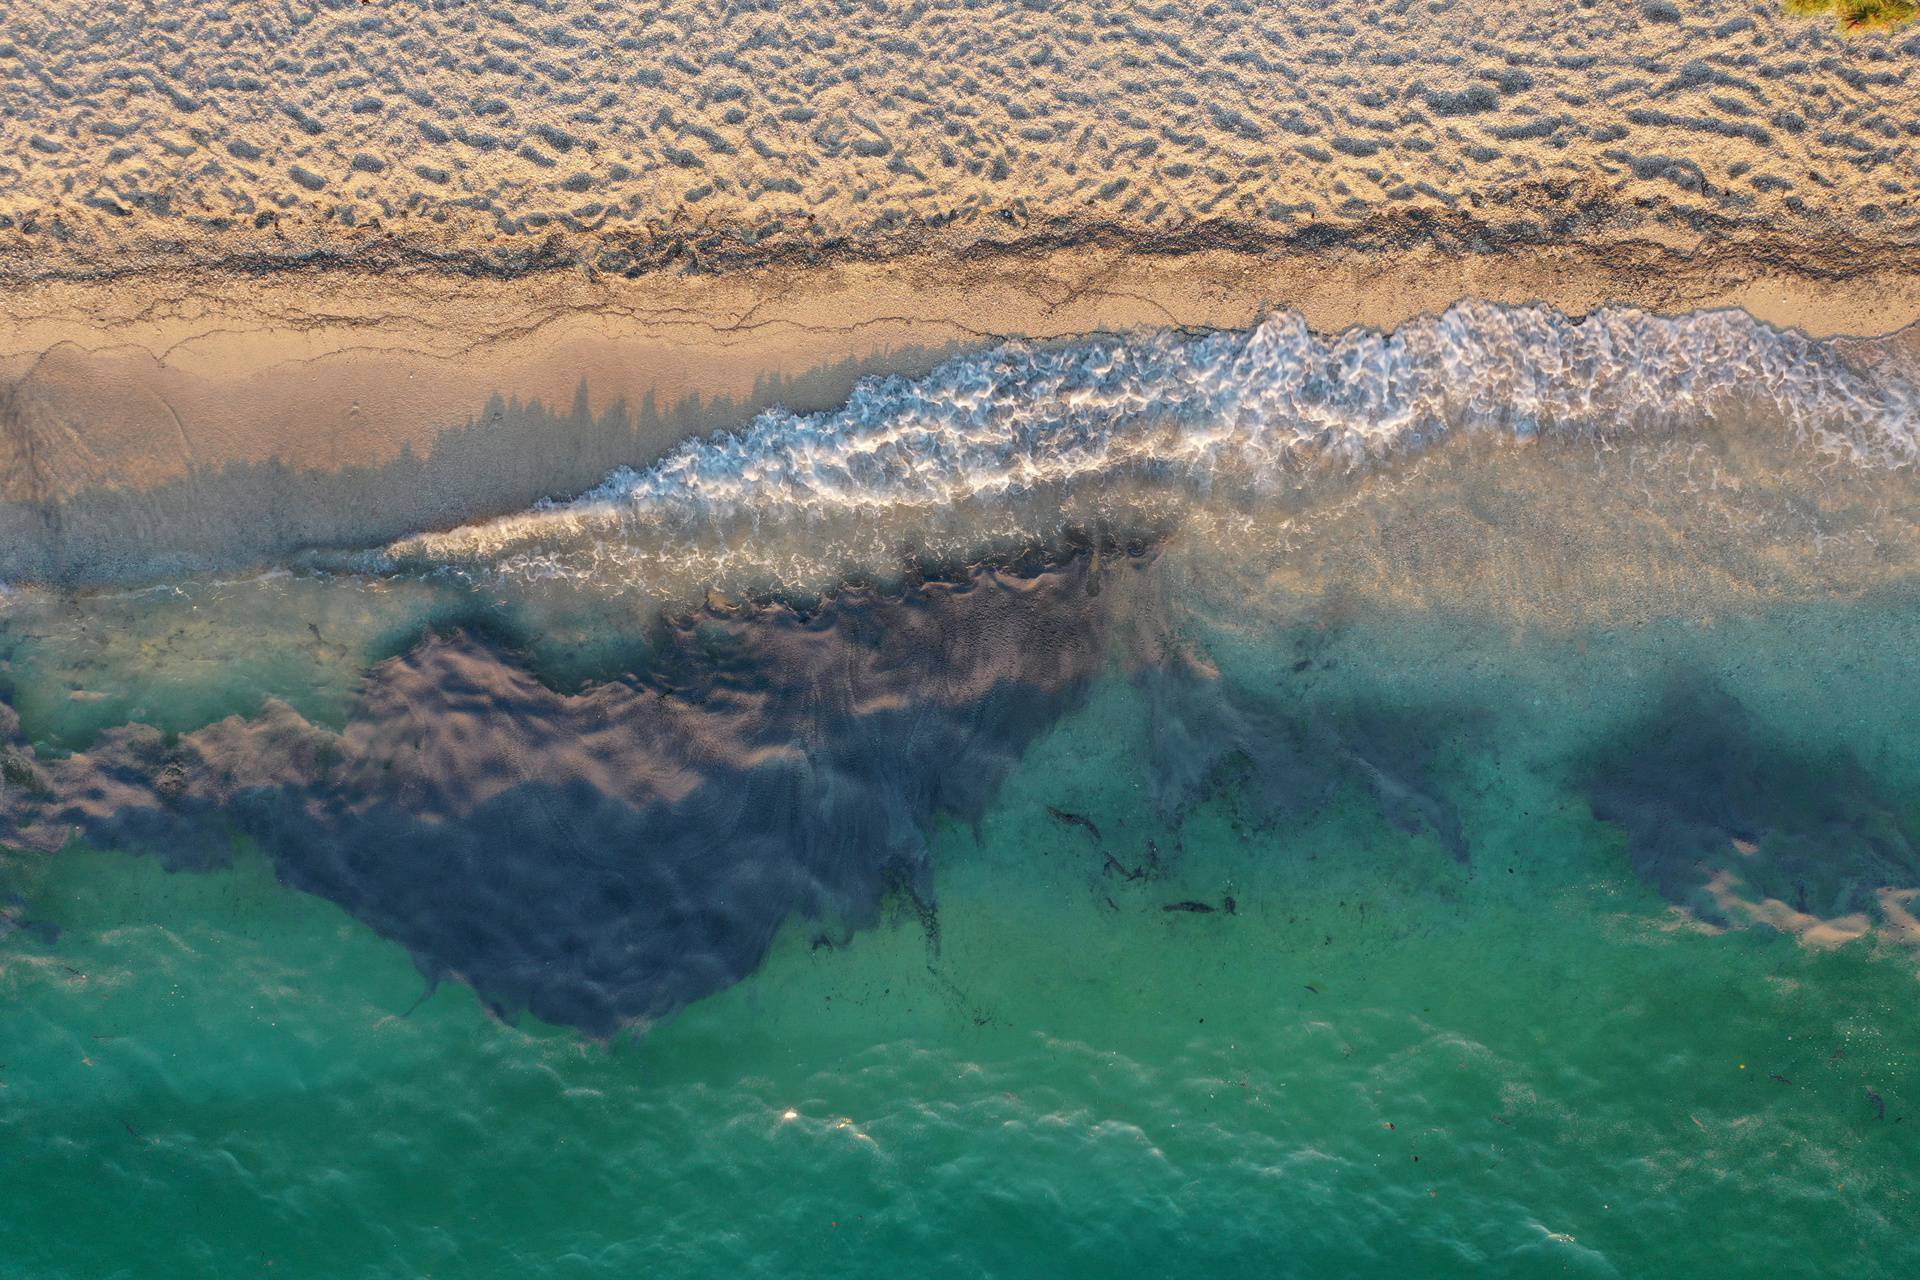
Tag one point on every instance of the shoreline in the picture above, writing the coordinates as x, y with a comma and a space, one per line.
302, 392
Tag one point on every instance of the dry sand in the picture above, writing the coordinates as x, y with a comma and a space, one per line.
274, 274
504, 136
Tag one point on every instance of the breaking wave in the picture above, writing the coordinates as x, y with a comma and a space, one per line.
996, 445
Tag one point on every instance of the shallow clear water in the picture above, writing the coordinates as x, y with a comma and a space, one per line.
1466, 882
1383, 1062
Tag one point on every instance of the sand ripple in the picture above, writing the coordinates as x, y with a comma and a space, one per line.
627, 136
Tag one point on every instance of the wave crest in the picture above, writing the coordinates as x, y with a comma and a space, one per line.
1262, 410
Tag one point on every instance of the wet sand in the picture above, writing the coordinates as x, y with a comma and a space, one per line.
200, 420
272, 280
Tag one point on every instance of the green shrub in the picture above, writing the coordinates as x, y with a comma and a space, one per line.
1860, 15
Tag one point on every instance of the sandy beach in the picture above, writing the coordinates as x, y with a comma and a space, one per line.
501, 139
346, 272
214, 420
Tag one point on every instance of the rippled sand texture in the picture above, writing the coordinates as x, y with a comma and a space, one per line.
512, 135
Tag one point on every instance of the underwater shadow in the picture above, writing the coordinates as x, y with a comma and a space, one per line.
607, 856
1727, 819
603, 856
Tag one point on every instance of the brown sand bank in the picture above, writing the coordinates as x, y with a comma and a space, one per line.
207, 419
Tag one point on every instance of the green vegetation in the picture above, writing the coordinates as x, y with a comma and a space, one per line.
1860, 15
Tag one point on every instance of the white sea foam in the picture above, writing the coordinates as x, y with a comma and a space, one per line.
1261, 411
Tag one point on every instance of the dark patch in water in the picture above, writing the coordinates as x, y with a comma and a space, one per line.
14, 920
612, 854
1290, 761
1699, 789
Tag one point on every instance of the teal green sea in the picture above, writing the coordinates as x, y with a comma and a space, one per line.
1382, 1061
1439, 803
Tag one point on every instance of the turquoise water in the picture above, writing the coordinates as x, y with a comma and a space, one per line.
1382, 1062
1443, 803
